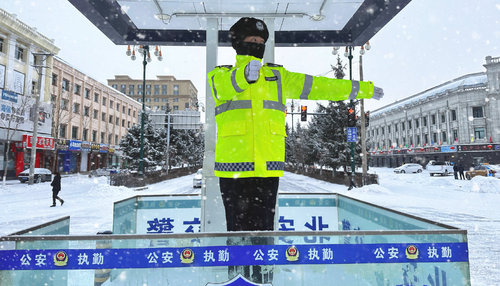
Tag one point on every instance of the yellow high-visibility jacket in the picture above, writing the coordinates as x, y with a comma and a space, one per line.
251, 117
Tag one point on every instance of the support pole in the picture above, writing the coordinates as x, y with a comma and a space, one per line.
364, 154
353, 144
143, 115
212, 208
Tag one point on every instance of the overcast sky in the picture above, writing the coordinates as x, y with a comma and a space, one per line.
428, 43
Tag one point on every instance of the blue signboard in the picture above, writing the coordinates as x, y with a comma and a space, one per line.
74, 145
231, 255
352, 134
450, 148
9, 96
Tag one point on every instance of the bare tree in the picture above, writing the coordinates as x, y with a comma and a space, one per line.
60, 115
12, 117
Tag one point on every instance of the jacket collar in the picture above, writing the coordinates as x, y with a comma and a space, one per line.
242, 60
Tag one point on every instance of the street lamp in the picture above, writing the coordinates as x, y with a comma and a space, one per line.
144, 51
348, 54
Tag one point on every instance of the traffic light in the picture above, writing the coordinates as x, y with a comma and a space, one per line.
367, 118
303, 113
351, 117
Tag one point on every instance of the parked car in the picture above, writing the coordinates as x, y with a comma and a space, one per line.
40, 175
409, 168
198, 178
438, 167
485, 170
103, 172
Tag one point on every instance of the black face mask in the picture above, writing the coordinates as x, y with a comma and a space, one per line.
251, 49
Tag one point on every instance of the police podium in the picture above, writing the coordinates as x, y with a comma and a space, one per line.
320, 239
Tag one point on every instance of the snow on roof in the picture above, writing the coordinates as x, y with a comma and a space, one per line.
467, 81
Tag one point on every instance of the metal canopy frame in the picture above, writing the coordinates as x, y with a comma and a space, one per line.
116, 23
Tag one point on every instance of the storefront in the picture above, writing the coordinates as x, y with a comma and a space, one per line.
21, 153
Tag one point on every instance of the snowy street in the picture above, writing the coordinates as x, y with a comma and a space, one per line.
470, 205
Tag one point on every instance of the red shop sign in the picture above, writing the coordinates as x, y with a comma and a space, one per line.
47, 143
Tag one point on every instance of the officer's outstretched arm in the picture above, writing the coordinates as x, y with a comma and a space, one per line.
303, 86
226, 82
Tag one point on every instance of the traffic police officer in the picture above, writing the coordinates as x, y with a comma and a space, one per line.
250, 101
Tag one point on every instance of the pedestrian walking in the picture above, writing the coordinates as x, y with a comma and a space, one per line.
461, 171
56, 188
455, 171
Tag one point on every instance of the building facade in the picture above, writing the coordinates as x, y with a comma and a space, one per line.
160, 93
23, 52
89, 119
456, 121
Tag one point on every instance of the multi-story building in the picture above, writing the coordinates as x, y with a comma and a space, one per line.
23, 52
160, 92
90, 118
456, 121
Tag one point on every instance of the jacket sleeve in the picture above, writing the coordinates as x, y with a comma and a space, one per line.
304, 86
226, 83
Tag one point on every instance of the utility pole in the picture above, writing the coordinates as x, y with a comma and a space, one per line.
39, 68
364, 155
353, 144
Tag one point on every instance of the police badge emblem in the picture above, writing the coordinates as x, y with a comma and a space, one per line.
292, 253
259, 26
411, 252
238, 281
187, 256
60, 258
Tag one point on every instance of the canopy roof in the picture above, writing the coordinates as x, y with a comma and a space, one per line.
296, 23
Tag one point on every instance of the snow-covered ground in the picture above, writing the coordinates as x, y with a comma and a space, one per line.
471, 205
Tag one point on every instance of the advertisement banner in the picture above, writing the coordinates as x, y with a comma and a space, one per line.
2, 76
46, 143
74, 145
17, 113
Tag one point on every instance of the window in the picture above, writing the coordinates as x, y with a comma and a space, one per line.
111, 103
131, 89
176, 99
87, 93
453, 115
176, 90
123, 109
409, 124
62, 130
96, 114
443, 136
128, 124
164, 99
85, 134
123, 122
443, 117
19, 53
115, 86
86, 111
116, 139
455, 134
53, 99
479, 133
164, 89
65, 84
1, 45
117, 106
156, 99
425, 121
129, 111
103, 101
433, 119
148, 89
76, 89
477, 112
74, 132
418, 140
133, 114
76, 108
383, 128
186, 105
54, 79
111, 119
103, 137
123, 88
109, 138
139, 89
117, 121
157, 89
434, 137
103, 116
163, 107
417, 123
396, 127
426, 139
402, 126
64, 104
148, 99
176, 107
96, 97
94, 136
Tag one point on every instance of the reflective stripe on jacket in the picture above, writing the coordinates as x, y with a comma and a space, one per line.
251, 117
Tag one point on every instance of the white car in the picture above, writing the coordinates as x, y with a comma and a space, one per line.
40, 175
441, 168
409, 168
198, 178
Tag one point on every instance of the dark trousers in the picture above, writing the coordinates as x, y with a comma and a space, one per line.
54, 197
249, 202
455, 173
250, 206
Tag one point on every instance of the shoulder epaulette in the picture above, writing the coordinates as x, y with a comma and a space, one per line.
273, 65
225, 66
